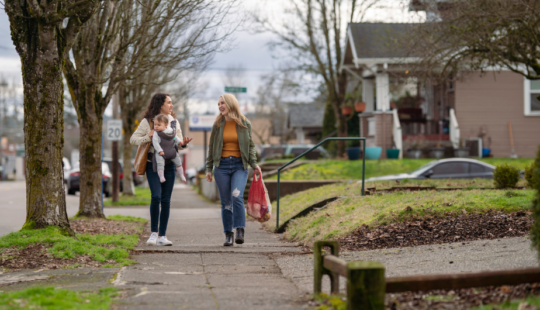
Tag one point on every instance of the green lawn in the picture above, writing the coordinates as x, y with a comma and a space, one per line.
344, 215
53, 298
352, 170
142, 197
101, 248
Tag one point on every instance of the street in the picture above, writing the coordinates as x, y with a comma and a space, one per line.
13, 207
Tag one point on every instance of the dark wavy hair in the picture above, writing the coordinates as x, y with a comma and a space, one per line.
154, 108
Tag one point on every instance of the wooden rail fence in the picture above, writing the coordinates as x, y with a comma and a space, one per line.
367, 285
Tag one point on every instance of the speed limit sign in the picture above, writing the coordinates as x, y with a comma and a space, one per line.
114, 130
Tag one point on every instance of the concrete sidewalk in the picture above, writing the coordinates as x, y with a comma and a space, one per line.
448, 258
197, 272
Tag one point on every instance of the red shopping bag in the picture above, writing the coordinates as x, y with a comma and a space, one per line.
258, 206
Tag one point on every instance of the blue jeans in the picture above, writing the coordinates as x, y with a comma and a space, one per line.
161, 194
231, 179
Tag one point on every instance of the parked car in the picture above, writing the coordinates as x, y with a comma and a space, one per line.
74, 175
292, 150
137, 179
450, 168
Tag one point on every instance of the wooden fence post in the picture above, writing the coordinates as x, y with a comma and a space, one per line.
319, 269
366, 285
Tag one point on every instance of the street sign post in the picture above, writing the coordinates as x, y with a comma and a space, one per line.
234, 89
202, 123
114, 130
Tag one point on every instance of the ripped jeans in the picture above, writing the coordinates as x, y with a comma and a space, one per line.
231, 179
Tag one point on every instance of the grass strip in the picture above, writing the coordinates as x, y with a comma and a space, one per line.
529, 303
344, 215
126, 218
52, 298
352, 169
101, 248
142, 197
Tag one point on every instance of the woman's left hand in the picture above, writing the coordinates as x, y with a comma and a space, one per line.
185, 141
257, 170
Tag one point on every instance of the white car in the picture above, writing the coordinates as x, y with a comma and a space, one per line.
67, 168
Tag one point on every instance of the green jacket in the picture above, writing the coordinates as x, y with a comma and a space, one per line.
247, 147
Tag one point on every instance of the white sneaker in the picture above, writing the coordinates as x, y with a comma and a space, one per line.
163, 241
153, 239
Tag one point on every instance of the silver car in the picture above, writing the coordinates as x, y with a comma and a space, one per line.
450, 168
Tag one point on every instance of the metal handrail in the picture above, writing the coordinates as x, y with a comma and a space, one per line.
311, 149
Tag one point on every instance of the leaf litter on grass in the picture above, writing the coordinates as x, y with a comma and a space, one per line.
343, 216
98, 242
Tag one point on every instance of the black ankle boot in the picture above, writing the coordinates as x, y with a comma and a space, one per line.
239, 235
229, 236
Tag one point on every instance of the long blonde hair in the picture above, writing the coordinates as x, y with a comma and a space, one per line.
234, 111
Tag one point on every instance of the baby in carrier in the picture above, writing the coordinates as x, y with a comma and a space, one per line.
166, 146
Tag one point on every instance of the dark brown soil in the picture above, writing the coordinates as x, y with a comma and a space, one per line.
35, 256
462, 299
104, 227
456, 299
464, 227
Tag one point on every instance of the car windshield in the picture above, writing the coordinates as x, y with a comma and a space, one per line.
423, 168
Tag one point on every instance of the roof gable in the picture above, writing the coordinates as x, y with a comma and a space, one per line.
378, 40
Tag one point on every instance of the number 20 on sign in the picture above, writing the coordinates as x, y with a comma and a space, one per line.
114, 130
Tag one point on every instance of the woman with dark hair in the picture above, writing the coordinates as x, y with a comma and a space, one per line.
161, 192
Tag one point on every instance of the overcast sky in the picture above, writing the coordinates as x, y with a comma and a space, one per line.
250, 50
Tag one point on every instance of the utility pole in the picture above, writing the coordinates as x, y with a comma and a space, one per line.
3, 86
115, 156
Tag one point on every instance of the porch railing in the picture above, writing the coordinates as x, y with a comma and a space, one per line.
398, 140
454, 129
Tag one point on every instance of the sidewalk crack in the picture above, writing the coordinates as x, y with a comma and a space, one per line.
208, 282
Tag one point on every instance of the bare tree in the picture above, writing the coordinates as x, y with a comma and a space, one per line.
184, 45
273, 97
43, 32
315, 33
123, 41
478, 34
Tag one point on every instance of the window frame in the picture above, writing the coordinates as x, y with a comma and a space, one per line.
527, 97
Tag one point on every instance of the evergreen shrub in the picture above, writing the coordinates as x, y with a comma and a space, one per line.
535, 228
529, 175
505, 176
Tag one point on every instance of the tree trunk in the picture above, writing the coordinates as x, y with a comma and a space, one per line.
128, 187
90, 178
42, 61
342, 128
128, 116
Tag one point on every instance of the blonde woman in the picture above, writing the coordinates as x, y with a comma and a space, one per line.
231, 150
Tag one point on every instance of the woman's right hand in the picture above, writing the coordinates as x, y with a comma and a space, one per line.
209, 176
151, 133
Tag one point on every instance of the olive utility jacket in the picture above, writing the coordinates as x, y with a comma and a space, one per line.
247, 147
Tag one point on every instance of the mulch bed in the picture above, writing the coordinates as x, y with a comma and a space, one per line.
35, 256
463, 298
452, 228
104, 227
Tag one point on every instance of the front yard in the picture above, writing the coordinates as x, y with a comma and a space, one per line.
352, 170
341, 217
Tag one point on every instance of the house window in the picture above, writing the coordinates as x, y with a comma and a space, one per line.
532, 104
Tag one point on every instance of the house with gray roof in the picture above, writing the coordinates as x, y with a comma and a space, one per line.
306, 120
401, 109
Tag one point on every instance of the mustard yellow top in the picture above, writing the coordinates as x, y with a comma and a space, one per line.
230, 140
